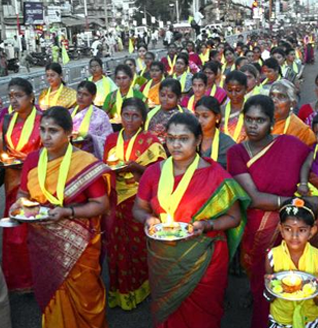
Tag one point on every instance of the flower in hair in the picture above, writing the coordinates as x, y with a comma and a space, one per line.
298, 202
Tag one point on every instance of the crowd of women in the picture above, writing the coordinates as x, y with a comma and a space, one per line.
213, 137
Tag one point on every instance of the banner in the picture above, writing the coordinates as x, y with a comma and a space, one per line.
54, 14
33, 13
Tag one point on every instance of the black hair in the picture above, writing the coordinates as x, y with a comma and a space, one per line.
229, 49
97, 60
158, 64
265, 104
249, 68
136, 103
131, 60
23, 84
258, 67
151, 54
236, 76
172, 84
56, 67
279, 51
89, 85
61, 117
238, 60
213, 53
212, 65
192, 43
273, 64
142, 45
124, 68
187, 119
211, 103
200, 76
289, 50
184, 57
302, 213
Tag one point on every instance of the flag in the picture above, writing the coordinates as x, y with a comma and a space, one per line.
65, 57
190, 19
131, 46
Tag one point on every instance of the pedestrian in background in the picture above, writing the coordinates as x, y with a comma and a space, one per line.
16, 47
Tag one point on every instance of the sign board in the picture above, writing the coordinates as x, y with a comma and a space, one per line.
33, 13
134, 22
54, 14
153, 19
144, 21
161, 24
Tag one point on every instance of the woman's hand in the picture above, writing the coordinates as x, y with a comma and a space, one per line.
15, 206
151, 221
59, 213
198, 229
303, 190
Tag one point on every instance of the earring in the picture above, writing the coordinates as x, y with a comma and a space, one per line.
272, 128
217, 122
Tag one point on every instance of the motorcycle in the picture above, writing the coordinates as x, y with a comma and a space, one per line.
74, 53
40, 59
13, 65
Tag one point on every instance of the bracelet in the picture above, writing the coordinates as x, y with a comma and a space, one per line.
279, 201
210, 225
72, 216
303, 184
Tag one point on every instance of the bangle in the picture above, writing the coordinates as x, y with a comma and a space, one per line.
72, 216
279, 201
303, 184
210, 225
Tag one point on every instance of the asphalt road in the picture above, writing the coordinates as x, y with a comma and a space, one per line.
26, 314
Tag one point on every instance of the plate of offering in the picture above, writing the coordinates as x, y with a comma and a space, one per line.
292, 285
8, 223
115, 163
9, 161
170, 232
30, 212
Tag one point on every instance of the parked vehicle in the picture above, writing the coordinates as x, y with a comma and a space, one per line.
74, 53
13, 65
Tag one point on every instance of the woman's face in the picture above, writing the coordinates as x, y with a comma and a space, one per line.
168, 99
180, 66
270, 73
19, 100
250, 56
210, 75
206, 118
148, 60
142, 52
235, 91
181, 142
279, 58
203, 49
53, 136
122, 80
229, 56
95, 69
131, 65
291, 56
84, 98
257, 124
156, 73
190, 47
199, 88
131, 119
257, 54
281, 101
251, 81
53, 78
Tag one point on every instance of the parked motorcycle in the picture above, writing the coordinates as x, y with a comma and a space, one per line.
13, 65
74, 53
40, 59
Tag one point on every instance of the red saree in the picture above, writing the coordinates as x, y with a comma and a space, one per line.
15, 255
126, 244
191, 300
65, 255
276, 171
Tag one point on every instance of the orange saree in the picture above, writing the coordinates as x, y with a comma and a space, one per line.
65, 254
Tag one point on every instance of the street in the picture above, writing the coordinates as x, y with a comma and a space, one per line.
26, 314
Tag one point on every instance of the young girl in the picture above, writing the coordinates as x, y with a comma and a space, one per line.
297, 226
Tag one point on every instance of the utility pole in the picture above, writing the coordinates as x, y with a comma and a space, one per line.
3, 27
177, 11
106, 16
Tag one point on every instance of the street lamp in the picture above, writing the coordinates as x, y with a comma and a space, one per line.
176, 6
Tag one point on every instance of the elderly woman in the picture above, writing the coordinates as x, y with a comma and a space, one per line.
268, 167
286, 122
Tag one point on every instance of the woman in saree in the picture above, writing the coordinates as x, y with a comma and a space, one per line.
170, 60
104, 84
58, 94
157, 118
199, 89
193, 56
19, 137
232, 116
307, 112
138, 80
188, 278
126, 250
272, 72
65, 266
286, 122
229, 65
252, 80
214, 143
151, 88
113, 102
140, 62
91, 125
182, 74
211, 70
149, 59
269, 171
